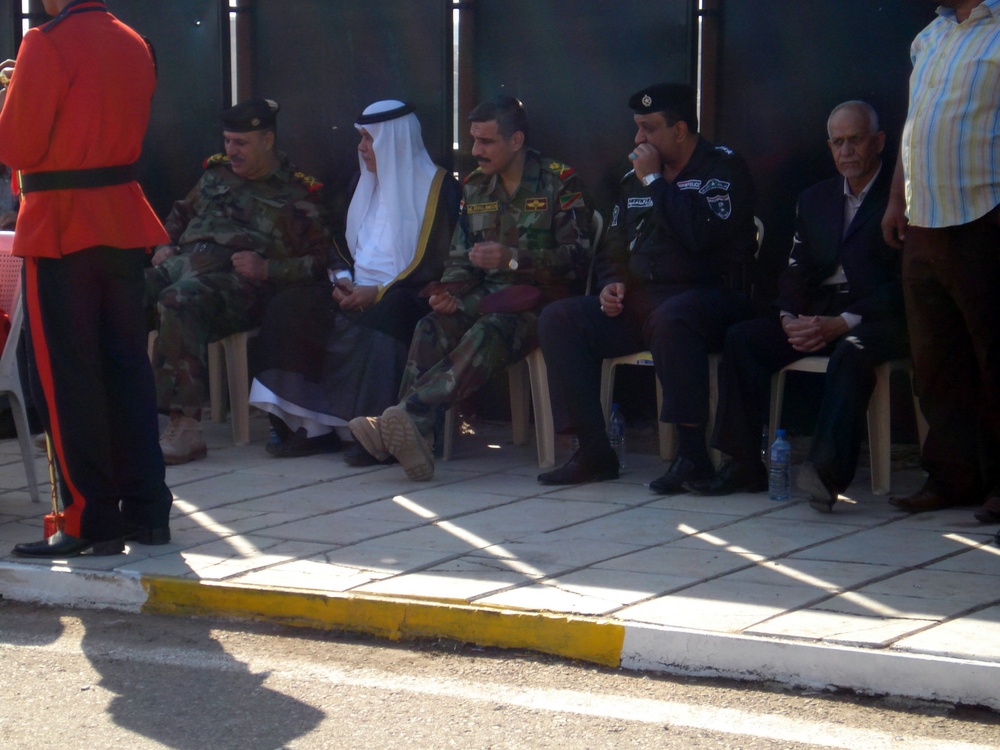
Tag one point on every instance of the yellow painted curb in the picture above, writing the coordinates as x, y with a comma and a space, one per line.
589, 640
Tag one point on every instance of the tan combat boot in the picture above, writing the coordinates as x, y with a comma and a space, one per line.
182, 441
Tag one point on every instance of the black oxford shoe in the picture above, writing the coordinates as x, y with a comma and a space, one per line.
579, 470
61, 545
148, 536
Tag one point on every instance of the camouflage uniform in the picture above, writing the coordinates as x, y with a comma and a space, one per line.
548, 221
198, 297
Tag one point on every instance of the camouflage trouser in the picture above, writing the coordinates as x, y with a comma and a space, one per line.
452, 356
194, 309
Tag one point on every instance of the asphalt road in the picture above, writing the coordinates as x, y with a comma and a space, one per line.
88, 679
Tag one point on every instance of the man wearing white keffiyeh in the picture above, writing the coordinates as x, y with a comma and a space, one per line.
337, 350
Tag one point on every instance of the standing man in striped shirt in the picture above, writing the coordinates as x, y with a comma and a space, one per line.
944, 209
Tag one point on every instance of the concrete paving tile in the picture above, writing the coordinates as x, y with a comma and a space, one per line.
312, 575
739, 504
546, 597
894, 544
918, 594
764, 535
981, 559
821, 574
508, 484
689, 565
847, 512
721, 606
387, 556
233, 487
439, 585
838, 628
551, 554
340, 528
451, 500
530, 516
645, 525
228, 557
967, 637
616, 493
619, 586
324, 466
230, 519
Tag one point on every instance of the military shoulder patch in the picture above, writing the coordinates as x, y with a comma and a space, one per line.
215, 160
311, 183
570, 201
561, 171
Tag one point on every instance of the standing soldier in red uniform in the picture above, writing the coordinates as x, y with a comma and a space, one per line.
72, 124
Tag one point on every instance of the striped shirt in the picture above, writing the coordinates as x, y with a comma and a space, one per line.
951, 140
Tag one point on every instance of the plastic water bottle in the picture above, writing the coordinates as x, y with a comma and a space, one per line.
616, 434
779, 478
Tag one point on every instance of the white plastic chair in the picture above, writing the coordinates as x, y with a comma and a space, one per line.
878, 412
668, 432
10, 380
534, 366
229, 354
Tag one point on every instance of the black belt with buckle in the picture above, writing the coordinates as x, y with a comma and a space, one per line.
75, 179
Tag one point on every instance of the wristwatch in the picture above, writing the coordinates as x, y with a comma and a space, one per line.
650, 178
512, 263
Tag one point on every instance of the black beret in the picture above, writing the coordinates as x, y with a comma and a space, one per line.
676, 98
256, 114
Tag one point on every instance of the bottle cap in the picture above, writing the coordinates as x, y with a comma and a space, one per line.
779, 432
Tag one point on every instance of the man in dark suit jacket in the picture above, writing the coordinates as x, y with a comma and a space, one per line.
840, 297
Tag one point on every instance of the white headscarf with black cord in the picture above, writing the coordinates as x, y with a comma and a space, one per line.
387, 209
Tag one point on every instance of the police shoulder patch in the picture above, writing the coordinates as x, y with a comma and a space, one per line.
215, 160
311, 183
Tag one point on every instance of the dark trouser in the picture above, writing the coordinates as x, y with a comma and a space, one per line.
756, 349
680, 325
951, 282
88, 338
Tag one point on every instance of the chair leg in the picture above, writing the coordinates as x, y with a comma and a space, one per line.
777, 396
713, 405
667, 431
544, 425
607, 388
216, 392
518, 387
878, 431
16, 399
235, 348
448, 438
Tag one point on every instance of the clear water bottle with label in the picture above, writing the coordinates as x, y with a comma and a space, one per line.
616, 434
779, 479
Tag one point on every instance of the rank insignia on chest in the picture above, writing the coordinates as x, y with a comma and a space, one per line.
536, 204
482, 208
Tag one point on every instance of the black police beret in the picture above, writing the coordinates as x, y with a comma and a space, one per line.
678, 99
256, 114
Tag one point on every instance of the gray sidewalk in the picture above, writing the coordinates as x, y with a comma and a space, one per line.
866, 598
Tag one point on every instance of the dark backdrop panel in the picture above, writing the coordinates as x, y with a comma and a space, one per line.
192, 53
10, 28
324, 62
574, 66
781, 73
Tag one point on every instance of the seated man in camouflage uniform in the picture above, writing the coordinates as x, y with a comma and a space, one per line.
523, 239
252, 225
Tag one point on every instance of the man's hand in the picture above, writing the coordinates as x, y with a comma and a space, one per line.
894, 224
647, 161
444, 303
612, 299
162, 253
249, 265
359, 298
6, 71
812, 333
490, 255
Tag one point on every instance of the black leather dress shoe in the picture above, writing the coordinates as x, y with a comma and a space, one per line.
580, 469
296, 444
733, 476
680, 471
149, 536
356, 455
989, 511
822, 495
927, 499
61, 545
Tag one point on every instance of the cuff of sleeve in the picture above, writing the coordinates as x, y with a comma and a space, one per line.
851, 319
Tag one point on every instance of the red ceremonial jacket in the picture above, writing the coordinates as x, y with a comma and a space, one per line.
79, 99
